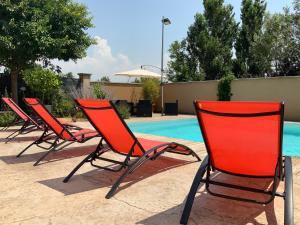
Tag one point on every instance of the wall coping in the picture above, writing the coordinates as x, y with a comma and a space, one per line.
269, 78
195, 82
118, 84
192, 82
242, 79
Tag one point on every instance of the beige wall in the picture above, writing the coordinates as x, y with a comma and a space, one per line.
285, 89
123, 91
186, 93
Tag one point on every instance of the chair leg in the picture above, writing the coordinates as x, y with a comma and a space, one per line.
194, 188
288, 200
18, 132
52, 148
44, 156
121, 178
33, 143
86, 159
8, 137
138, 162
25, 149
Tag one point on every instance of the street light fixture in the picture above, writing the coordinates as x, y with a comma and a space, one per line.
164, 21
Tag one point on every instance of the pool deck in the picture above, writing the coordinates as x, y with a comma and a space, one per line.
152, 195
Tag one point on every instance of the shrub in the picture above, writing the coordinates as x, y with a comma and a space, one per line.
63, 106
123, 111
6, 118
79, 114
98, 91
150, 89
224, 87
43, 83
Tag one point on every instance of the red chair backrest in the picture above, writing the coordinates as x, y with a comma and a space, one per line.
242, 138
48, 118
14, 107
106, 120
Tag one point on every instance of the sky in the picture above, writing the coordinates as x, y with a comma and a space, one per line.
128, 33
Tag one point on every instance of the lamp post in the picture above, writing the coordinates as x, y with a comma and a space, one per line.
164, 21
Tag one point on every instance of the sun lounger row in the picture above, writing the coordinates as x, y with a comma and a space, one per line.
241, 138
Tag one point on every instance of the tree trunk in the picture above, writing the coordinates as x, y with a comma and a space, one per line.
14, 84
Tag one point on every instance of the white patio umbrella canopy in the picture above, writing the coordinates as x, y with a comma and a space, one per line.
138, 73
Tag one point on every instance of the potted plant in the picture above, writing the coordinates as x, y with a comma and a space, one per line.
151, 90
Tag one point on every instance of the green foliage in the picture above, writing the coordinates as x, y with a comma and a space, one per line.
68, 75
208, 47
98, 91
6, 118
150, 88
248, 41
264, 43
123, 111
63, 105
224, 87
211, 38
44, 83
137, 81
32, 30
182, 66
285, 49
105, 79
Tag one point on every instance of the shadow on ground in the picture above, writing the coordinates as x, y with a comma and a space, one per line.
20, 139
102, 178
67, 153
208, 209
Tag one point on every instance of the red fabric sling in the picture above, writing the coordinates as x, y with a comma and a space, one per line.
242, 145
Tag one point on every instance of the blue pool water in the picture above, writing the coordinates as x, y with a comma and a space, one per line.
188, 129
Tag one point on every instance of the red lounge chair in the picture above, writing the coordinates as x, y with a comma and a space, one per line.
28, 123
243, 139
114, 131
61, 131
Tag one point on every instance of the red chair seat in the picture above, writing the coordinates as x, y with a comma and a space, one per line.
148, 144
84, 133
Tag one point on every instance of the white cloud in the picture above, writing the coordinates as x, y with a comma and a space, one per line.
100, 61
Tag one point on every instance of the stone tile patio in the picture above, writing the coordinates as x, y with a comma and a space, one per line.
152, 195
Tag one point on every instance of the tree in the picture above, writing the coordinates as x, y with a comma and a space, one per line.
105, 79
182, 66
68, 75
43, 83
284, 30
210, 39
252, 17
288, 60
34, 30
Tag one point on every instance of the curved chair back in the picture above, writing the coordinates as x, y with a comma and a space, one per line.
106, 120
48, 118
14, 107
242, 138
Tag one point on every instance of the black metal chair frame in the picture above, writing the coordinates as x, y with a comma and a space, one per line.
283, 172
27, 126
15, 122
129, 163
59, 142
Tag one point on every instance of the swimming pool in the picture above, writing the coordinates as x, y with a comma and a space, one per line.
188, 129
